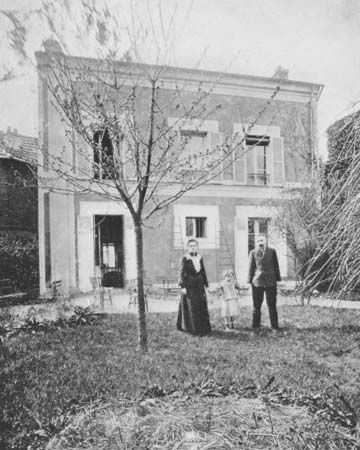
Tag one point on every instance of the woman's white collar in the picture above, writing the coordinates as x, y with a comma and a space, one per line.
188, 256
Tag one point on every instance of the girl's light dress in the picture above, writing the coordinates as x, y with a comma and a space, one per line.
230, 302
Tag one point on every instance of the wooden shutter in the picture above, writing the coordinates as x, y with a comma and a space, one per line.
129, 165
82, 157
176, 152
215, 149
240, 159
277, 162
228, 163
241, 252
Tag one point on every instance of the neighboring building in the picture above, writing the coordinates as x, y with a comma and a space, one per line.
18, 184
341, 166
79, 232
343, 139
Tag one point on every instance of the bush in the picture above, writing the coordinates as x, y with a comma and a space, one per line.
19, 260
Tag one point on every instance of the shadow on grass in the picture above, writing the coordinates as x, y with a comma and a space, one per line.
346, 329
243, 334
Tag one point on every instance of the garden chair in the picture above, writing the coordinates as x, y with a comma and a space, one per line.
101, 293
57, 290
132, 290
170, 286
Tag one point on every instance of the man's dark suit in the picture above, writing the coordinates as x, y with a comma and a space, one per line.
263, 275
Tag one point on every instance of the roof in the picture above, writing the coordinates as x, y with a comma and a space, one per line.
17, 146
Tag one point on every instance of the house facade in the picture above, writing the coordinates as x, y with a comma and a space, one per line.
82, 232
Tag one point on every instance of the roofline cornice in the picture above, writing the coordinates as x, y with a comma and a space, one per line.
171, 74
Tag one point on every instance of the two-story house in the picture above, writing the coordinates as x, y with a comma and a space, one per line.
276, 117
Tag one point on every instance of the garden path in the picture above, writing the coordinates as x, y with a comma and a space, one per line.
120, 304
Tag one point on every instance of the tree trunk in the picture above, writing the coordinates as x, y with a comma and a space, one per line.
142, 332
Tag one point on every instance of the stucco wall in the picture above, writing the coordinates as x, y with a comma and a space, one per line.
159, 251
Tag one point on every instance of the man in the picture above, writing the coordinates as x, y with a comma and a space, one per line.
263, 275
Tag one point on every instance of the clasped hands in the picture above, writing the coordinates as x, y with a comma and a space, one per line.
208, 290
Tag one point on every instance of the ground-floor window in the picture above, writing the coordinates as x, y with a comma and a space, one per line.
196, 221
195, 227
256, 226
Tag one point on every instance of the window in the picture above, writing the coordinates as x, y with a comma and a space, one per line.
257, 160
103, 155
197, 221
195, 145
256, 226
195, 227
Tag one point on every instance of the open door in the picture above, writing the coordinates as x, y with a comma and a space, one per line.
109, 249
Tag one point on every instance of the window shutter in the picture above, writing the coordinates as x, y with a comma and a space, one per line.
240, 159
82, 157
176, 153
129, 168
277, 162
228, 162
215, 154
179, 238
241, 252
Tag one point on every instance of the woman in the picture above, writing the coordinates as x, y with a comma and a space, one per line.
193, 315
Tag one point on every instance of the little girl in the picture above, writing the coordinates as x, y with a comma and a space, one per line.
230, 308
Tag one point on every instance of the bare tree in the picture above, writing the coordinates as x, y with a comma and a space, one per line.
296, 214
340, 236
321, 220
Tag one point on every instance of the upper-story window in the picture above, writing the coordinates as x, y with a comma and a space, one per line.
259, 156
103, 155
257, 160
195, 145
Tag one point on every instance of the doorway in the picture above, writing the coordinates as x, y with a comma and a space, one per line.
109, 249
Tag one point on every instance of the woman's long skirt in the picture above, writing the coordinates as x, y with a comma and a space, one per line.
193, 314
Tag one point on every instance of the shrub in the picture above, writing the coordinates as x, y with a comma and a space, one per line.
19, 260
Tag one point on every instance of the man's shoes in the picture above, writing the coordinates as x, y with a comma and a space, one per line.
276, 330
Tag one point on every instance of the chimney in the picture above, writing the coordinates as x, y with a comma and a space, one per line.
281, 73
52, 46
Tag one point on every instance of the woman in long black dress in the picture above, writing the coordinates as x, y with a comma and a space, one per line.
193, 315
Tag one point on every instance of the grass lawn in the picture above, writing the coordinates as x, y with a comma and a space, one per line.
46, 377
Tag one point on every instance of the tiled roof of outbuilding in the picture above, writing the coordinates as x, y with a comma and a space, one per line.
17, 146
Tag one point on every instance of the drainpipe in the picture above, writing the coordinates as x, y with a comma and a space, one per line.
313, 136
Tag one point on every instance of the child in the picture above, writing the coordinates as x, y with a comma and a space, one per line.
230, 308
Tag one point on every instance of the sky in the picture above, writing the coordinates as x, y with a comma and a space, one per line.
316, 40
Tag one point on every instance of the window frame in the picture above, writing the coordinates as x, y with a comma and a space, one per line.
183, 210
189, 134
276, 138
196, 221
98, 149
257, 230
251, 141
